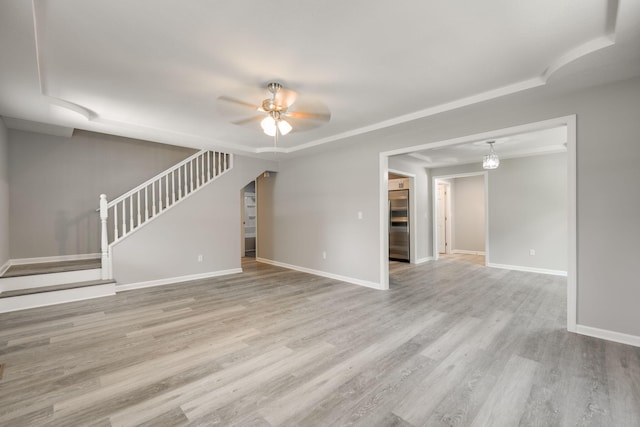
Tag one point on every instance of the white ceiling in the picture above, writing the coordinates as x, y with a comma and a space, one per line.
153, 69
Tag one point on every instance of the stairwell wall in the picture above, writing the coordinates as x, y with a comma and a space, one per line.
207, 223
56, 182
4, 195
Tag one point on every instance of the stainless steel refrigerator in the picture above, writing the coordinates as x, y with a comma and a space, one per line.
399, 225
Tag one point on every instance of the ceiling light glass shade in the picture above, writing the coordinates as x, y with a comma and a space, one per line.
284, 127
491, 160
269, 126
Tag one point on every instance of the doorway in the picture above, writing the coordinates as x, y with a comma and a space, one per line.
569, 122
461, 225
249, 220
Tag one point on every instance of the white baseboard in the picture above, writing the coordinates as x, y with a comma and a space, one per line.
174, 280
463, 251
352, 280
61, 258
423, 260
608, 335
529, 269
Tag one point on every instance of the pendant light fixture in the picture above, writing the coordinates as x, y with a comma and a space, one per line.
491, 160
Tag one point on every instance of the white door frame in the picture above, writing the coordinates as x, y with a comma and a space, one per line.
448, 232
572, 268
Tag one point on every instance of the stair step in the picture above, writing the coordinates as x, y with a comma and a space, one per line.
51, 267
15, 283
26, 297
62, 287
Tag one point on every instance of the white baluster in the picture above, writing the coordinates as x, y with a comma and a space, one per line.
208, 165
146, 203
124, 217
191, 176
131, 227
115, 222
180, 172
201, 159
139, 213
197, 173
104, 240
166, 190
173, 186
153, 198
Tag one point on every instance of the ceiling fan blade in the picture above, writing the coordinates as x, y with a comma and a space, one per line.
248, 121
302, 125
323, 117
224, 99
286, 97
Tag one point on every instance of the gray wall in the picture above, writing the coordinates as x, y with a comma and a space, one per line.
527, 210
206, 223
314, 208
56, 182
318, 193
468, 227
4, 194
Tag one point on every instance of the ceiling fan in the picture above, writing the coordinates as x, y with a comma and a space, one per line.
283, 112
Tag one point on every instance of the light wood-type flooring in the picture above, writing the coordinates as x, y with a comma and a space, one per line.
451, 343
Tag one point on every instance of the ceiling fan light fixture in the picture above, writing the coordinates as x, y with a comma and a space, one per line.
268, 125
284, 127
491, 160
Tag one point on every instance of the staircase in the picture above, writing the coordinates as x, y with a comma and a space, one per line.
35, 285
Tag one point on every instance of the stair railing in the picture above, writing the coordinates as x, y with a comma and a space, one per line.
125, 214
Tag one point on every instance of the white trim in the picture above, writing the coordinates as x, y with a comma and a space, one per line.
352, 280
23, 302
5, 267
572, 239
175, 280
383, 186
605, 334
423, 260
466, 252
60, 258
528, 269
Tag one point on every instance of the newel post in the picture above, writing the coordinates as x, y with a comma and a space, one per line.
104, 245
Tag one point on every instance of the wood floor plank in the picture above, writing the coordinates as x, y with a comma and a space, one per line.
450, 343
505, 404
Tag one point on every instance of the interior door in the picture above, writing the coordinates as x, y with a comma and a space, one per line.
442, 218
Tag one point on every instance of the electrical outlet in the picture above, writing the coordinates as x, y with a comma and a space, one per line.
532, 252
200, 258
324, 255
